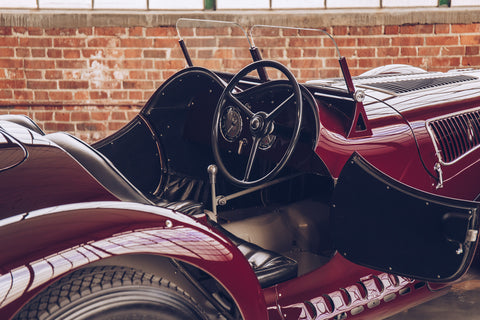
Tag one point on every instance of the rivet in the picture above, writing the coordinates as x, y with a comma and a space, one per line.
168, 224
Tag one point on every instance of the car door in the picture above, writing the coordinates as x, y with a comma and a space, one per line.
383, 224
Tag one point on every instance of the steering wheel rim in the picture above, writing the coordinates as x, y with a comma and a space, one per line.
260, 123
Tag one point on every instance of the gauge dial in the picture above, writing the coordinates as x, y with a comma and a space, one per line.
267, 142
231, 124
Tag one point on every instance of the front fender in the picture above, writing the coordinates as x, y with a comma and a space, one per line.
41, 246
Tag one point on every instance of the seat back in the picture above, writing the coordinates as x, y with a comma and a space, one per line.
99, 167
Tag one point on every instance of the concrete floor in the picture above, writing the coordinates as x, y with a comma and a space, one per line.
462, 302
453, 306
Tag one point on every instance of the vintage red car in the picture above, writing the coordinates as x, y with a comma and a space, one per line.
248, 196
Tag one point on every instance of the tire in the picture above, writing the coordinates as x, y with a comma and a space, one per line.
111, 293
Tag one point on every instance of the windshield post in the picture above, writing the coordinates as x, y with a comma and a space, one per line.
185, 52
257, 56
346, 75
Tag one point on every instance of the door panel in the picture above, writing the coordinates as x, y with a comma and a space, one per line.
383, 224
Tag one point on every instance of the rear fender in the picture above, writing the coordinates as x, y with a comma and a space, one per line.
41, 246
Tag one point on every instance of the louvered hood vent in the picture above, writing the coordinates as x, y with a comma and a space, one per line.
404, 86
456, 135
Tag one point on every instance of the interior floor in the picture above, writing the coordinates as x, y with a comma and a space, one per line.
298, 230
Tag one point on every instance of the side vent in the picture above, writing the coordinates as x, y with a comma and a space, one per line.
455, 136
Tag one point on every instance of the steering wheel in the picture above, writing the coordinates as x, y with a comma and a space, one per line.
260, 124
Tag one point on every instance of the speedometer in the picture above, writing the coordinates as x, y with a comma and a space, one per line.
231, 124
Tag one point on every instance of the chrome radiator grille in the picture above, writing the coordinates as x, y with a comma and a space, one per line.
456, 135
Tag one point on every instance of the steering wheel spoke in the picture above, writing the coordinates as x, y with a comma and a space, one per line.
260, 125
274, 113
251, 158
239, 104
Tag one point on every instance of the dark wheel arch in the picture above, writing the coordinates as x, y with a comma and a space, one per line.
112, 292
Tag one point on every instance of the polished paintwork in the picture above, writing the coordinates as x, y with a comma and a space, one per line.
75, 235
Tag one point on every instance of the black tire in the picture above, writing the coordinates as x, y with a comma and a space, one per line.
111, 293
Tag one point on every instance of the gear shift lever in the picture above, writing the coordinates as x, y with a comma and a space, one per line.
212, 174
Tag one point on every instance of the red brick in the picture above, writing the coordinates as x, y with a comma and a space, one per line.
61, 32
469, 39
408, 51
7, 52
8, 42
471, 61
136, 31
6, 31
417, 29
33, 74
80, 116
12, 84
23, 95
390, 30
374, 42
453, 50
135, 95
159, 54
81, 95
22, 52
35, 31
35, 42
408, 41
58, 126
162, 32
73, 85
136, 43
40, 95
365, 31
110, 31
54, 53
43, 116
471, 50
133, 53
62, 116
465, 28
71, 54
6, 94
91, 126
169, 64
71, 64
85, 31
441, 40
120, 95
68, 42
53, 74
33, 84
442, 28
118, 116
98, 95
386, 52
340, 31
38, 53
103, 42
429, 51
60, 95
39, 64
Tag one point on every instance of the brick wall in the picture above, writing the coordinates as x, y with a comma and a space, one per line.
91, 80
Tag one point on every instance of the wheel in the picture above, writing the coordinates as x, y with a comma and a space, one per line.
260, 132
112, 293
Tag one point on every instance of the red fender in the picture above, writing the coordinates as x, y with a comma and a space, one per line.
41, 246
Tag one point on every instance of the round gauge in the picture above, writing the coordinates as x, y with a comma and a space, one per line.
231, 123
267, 141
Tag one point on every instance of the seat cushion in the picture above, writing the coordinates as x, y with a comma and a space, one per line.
270, 267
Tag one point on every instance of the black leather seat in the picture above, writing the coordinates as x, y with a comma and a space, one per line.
270, 267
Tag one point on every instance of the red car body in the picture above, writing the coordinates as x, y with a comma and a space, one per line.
395, 174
